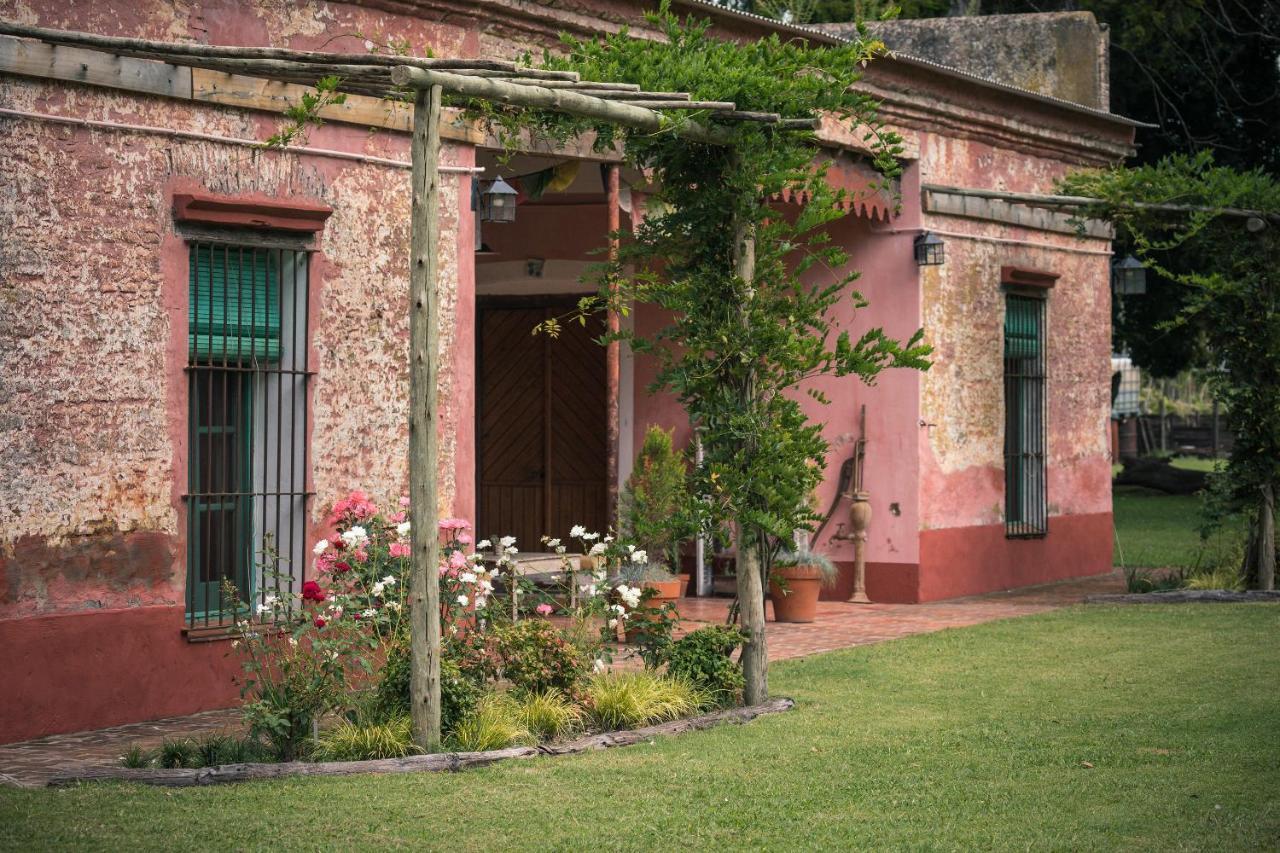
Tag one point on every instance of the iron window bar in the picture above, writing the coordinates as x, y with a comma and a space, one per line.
1026, 436
248, 380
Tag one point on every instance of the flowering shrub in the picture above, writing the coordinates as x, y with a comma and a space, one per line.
536, 657
704, 658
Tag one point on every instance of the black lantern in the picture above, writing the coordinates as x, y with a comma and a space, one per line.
929, 250
498, 202
1129, 277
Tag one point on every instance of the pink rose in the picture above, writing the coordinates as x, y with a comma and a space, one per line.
544, 609
399, 549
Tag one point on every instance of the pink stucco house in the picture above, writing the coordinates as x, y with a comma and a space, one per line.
203, 343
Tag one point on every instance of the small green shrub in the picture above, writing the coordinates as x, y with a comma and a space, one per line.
349, 741
183, 752
626, 700
137, 757
1222, 577
496, 724
704, 659
458, 693
1160, 580
655, 501
536, 657
550, 714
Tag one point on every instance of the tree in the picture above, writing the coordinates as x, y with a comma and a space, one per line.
717, 253
1191, 207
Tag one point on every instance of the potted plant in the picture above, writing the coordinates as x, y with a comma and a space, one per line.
656, 502
796, 579
660, 586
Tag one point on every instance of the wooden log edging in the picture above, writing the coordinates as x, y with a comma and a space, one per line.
438, 762
1186, 596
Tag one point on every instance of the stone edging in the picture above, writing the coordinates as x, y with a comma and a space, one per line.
1186, 596
445, 761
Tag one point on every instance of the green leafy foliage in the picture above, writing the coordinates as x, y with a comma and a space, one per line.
655, 502
1232, 293
536, 657
704, 658
649, 628
304, 115
735, 349
459, 693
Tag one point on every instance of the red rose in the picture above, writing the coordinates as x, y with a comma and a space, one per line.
319, 622
311, 591
342, 566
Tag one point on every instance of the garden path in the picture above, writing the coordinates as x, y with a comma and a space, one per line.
839, 625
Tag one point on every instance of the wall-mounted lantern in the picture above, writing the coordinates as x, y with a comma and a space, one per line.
929, 250
1128, 277
498, 202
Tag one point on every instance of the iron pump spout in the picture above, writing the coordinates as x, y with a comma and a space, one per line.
859, 516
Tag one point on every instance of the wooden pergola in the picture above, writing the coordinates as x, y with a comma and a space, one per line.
426, 80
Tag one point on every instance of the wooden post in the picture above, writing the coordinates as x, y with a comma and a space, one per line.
424, 321
750, 573
613, 354
1267, 539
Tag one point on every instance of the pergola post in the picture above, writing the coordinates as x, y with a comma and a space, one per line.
613, 351
424, 444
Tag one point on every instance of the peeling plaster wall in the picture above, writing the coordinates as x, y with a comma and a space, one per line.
962, 450
94, 298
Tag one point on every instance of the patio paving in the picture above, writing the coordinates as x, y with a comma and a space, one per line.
839, 625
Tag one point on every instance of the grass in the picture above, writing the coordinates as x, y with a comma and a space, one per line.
1112, 728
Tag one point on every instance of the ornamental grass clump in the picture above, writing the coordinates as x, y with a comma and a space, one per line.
550, 714
626, 700
497, 724
350, 741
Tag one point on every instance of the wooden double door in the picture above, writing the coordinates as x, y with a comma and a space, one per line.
541, 411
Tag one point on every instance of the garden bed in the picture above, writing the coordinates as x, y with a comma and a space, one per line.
435, 763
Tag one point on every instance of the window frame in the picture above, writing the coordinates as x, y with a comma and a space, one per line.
1026, 422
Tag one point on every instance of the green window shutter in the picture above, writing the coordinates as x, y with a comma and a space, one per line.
234, 304
1021, 329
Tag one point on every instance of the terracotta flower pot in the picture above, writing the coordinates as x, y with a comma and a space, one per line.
664, 592
684, 578
795, 598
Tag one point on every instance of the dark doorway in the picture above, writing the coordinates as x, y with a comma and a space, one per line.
541, 409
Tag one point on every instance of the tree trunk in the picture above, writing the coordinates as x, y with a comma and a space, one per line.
1267, 539
755, 651
424, 321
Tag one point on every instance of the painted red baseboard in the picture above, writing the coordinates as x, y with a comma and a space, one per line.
78, 671
970, 560
887, 583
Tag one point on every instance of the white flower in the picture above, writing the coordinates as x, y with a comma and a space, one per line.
598, 666
463, 600
264, 608
480, 600
630, 595
320, 547
337, 611
376, 590
589, 589
235, 644
578, 531
467, 577
590, 536
356, 537
619, 609
270, 600
512, 550
613, 623
389, 580
598, 549
333, 655
369, 614
607, 539
293, 641
486, 586
639, 557
402, 529
392, 605
483, 544
552, 543
507, 541
369, 46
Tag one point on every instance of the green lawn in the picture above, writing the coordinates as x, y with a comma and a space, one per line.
1090, 728
1155, 530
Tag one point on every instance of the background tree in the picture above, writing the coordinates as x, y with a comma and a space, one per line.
1181, 207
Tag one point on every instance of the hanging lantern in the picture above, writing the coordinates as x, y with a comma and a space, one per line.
1129, 277
929, 250
498, 202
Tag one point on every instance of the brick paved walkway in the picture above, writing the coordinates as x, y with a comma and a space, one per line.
838, 626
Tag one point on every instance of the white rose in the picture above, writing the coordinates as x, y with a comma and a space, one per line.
590, 536
389, 580
613, 623
467, 577
376, 590
393, 605
552, 543
598, 549
402, 529
598, 666
463, 600
370, 613
320, 547
507, 541
480, 600
355, 537
578, 531
483, 544
512, 550
639, 557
